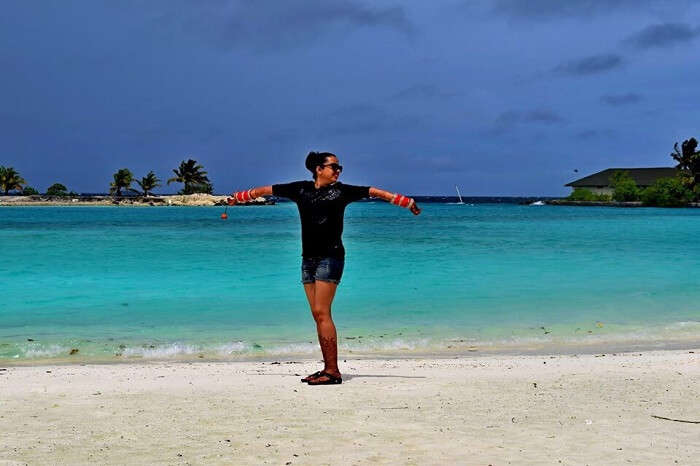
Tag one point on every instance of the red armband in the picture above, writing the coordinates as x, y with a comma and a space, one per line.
402, 201
243, 196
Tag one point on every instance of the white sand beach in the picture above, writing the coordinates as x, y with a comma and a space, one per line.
562, 409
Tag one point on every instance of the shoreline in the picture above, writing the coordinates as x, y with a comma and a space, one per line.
637, 408
630, 204
467, 352
207, 200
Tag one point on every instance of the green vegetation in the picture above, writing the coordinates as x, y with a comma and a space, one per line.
624, 187
193, 176
667, 192
57, 189
10, 180
190, 173
684, 188
583, 194
204, 188
148, 183
689, 163
122, 180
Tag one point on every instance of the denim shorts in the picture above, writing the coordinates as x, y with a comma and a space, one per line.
324, 269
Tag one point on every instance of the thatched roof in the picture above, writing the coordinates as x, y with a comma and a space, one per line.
641, 176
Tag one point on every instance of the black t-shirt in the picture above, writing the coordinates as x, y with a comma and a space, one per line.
321, 211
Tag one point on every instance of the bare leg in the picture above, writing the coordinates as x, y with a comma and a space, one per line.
320, 295
310, 290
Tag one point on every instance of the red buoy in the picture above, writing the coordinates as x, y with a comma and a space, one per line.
224, 216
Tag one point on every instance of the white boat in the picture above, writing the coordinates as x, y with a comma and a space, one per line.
459, 196
538, 203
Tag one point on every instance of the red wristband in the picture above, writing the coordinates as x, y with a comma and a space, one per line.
243, 196
402, 201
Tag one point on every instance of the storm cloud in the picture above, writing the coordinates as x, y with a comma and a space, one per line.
367, 119
593, 64
280, 25
663, 35
559, 8
554, 10
617, 100
511, 119
420, 91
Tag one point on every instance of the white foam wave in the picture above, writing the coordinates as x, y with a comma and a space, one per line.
171, 350
39, 351
390, 345
233, 348
671, 333
242, 349
293, 348
684, 325
164, 351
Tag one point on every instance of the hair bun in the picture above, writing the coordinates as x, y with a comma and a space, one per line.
311, 161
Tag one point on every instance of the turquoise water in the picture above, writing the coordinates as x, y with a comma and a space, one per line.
120, 283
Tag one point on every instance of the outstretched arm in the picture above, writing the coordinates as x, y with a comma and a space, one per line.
241, 197
396, 199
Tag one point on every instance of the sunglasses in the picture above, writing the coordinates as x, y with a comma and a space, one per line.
334, 166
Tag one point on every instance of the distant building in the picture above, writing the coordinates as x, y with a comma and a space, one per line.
599, 183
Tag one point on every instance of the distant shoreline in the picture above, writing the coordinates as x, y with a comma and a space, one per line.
204, 200
136, 201
566, 202
220, 200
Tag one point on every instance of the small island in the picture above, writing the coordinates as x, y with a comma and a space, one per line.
135, 201
196, 191
677, 186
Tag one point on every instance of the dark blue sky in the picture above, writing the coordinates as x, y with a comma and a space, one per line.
502, 97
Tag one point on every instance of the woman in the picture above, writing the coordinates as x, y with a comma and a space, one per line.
321, 205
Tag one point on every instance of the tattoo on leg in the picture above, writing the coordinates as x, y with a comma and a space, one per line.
329, 348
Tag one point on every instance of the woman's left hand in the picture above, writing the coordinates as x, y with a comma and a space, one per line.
415, 210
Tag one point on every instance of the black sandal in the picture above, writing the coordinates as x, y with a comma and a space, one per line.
311, 376
331, 379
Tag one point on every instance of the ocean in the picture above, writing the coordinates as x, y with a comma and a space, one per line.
140, 283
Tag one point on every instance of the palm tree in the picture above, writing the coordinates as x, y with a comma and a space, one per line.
688, 159
10, 179
148, 183
193, 176
122, 180
57, 189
